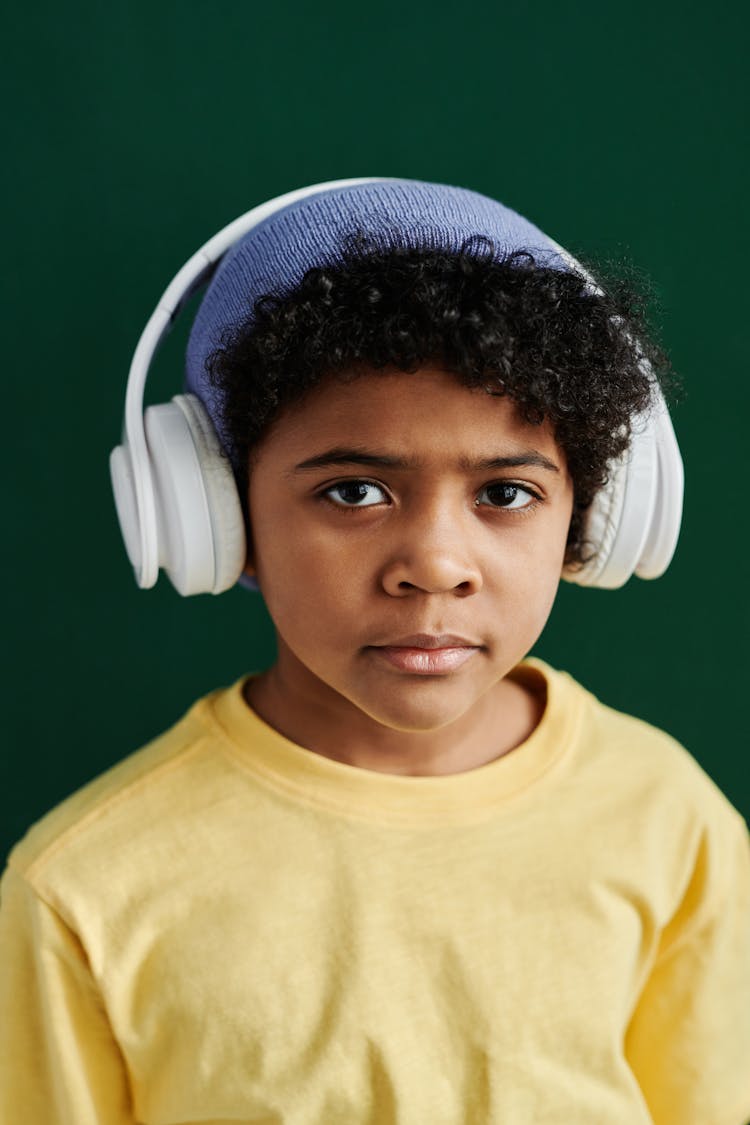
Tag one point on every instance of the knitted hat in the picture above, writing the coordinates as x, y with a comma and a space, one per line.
275, 255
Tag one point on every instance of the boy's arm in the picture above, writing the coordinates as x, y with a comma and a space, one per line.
688, 1042
59, 1061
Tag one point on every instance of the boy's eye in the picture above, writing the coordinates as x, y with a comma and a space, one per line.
503, 494
355, 494
365, 494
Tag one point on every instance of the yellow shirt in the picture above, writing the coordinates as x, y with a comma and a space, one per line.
228, 928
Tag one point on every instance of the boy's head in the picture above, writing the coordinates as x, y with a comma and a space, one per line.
402, 275
420, 397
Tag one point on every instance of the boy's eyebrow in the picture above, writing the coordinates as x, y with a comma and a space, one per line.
341, 455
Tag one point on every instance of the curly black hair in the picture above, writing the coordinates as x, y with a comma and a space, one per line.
543, 336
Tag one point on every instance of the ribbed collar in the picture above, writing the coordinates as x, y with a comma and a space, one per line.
314, 780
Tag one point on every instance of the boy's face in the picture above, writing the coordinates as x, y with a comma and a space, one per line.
379, 521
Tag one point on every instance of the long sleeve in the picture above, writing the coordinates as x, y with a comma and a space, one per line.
59, 1063
689, 1039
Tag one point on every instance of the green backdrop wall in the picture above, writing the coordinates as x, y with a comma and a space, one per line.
135, 131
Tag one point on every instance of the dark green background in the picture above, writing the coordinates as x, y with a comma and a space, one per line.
134, 132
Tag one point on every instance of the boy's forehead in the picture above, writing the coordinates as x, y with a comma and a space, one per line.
409, 417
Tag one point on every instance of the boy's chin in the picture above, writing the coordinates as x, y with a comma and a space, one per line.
421, 707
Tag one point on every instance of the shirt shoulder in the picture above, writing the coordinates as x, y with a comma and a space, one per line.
633, 750
136, 787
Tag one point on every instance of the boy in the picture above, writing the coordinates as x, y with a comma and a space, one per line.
405, 875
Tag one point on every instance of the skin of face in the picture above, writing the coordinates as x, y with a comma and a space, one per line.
402, 530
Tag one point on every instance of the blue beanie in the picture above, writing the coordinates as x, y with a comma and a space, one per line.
274, 256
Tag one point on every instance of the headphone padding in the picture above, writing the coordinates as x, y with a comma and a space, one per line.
225, 512
199, 523
600, 527
621, 514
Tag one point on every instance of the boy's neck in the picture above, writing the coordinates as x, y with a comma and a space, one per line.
500, 721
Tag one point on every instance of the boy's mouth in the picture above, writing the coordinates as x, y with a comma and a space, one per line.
427, 654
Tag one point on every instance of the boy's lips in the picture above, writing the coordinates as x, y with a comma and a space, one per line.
427, 654
431, 641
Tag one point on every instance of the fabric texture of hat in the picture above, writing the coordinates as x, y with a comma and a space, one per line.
274, 256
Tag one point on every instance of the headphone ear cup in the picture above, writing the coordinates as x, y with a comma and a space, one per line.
200, 528
622, 514
634, 522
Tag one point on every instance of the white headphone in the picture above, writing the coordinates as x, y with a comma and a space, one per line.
177, 499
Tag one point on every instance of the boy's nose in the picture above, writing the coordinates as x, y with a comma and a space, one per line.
434, 557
